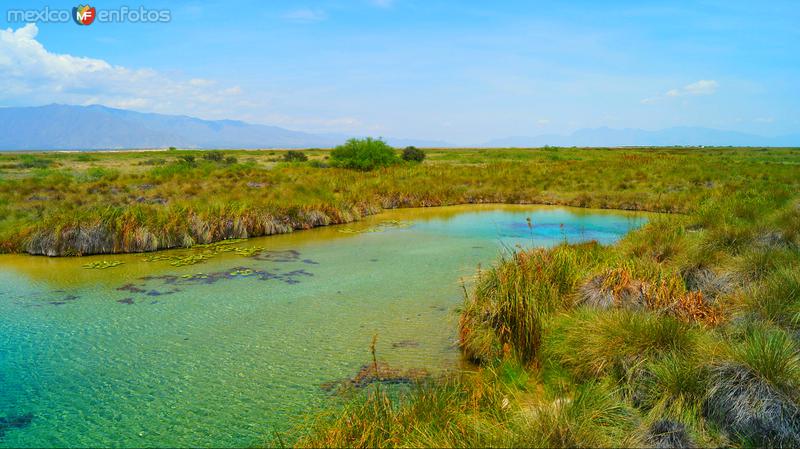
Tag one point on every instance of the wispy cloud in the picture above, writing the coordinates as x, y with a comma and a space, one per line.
305, 15
31, 74
701, 87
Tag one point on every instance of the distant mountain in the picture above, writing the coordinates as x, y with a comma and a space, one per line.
65, 127
607, 137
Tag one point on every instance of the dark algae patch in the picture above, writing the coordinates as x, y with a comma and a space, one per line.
13, 422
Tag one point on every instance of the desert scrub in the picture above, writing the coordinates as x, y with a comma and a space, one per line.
294, 156
413, 154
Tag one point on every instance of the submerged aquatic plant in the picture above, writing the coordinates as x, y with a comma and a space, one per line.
103, 264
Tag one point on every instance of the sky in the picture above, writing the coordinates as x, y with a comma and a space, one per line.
458, 71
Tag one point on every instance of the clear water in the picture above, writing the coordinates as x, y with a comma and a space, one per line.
138, 355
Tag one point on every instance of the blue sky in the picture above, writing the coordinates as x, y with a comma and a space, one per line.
463, 72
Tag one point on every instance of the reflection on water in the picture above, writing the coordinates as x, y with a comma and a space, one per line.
229, 344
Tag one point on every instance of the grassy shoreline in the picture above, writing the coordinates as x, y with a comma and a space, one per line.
89, 203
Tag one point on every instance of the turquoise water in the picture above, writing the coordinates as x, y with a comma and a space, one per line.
223, 352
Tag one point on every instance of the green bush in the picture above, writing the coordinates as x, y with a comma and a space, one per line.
187, 159
97, 173
31, 161
413, 154
214, 156
364, 154
230, 160
294, 156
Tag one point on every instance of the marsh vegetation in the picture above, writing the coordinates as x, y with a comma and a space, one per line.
86, 203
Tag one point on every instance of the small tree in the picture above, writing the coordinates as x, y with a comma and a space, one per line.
172, 148
294, 156
413, 154
364, 154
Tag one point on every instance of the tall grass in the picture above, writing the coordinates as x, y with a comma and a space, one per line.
507, 308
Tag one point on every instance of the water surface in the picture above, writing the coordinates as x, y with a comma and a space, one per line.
222, 352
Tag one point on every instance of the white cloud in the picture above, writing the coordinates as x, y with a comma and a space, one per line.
306, 15
701, 87
542, 122
30, 74
200, 82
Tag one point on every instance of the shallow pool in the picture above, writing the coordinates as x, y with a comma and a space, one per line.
154, 352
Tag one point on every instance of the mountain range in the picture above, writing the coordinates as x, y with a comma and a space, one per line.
681, 135
95, 127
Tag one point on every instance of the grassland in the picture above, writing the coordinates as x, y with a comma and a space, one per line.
86, 203
684, 334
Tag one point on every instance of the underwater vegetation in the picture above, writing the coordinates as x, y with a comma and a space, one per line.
11, 422
168, 284
103, 264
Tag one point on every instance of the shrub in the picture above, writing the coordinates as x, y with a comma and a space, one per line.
83, 157
213, 156
294, 156
96, 173
364, 154
172, 148
30, 161
413, 154
230, 160
188, 159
